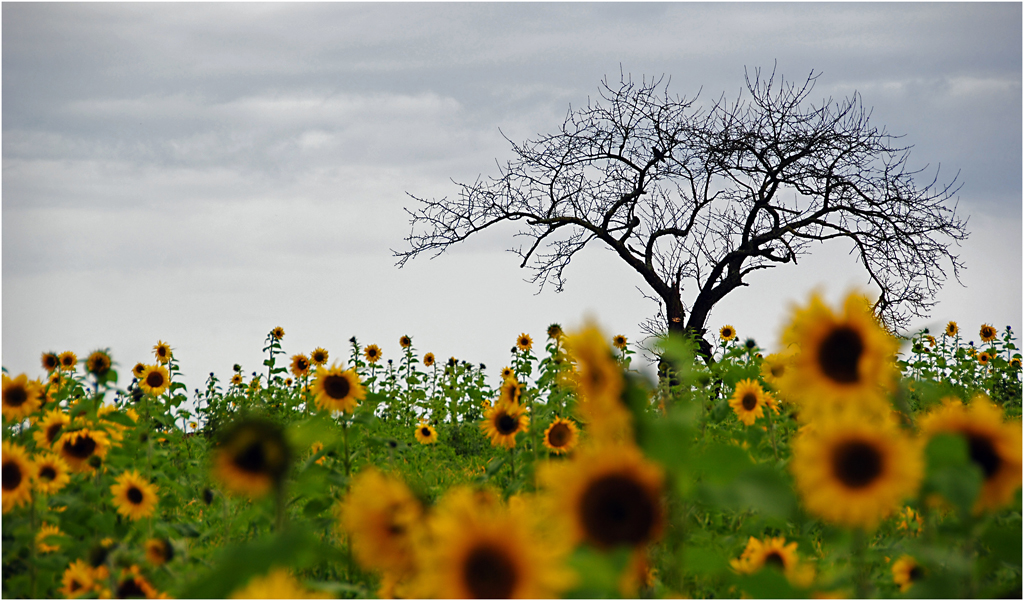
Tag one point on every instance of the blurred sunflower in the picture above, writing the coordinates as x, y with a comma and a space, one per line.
134, 496
775, 365
619, 342
159, 551
428, 360
1015, 363
237, 380
905, 572
561, 436
68, 361
747, 401
372, 353
45, 532
987, 333
511, 391
381, 515
727, 333
21, 397
17, 472
993, 445
77, 580
277, 333
338, 390
133, 585
854, 472
599, 382
51, 473
773, 552
952, 329
318, 356
155, 380
98, 363
80, 449
607, 496
405, 342
162, 351
506, 373
503, 421
252, 457
425, 433
984, 357
555, 331
277, 584
300, 365
524, 342
138, 370
50, 361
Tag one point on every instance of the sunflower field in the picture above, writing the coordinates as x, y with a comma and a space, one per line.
848, 463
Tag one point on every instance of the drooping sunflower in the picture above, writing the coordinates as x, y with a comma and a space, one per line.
382, 515
318, 356
987, 333
338, 390
598, 380
17, 472
855, 471
993, 445
524, 342
506, 373
748, 401
21, 397
68, 361
952, 329
98, 363
607, 496
727, 333
428, 360
481, 550
50, 361
134, 496
300, 365
372, 353
159, 551
77, 580
277, 584
51, 474
503, 421
773, 552
425, 433
405, 341
555, 331
252, 457
83, 448
162, 351
277, 333
155, 380
905, 572
44, 534
561, 436
619, 342
843, 360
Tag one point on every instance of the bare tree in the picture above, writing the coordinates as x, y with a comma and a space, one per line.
697, 198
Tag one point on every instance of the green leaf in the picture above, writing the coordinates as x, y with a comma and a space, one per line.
951, 472
598, 573
119, 418
1004, 543
768, 583
723, 463
316, 506
704, 560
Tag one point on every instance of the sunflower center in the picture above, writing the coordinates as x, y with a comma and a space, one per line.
82, 448
915, 573
134, 495
559, 435
302, 364
506, 424
984, 454
155, 379
252, 458
839, 355
129, 589
47, 473
336, 387
51, 432
617, 510
749, 401
11, 475
489, 574
15, 396
74, 585
425, 431
775, 559
778, 370
856, 464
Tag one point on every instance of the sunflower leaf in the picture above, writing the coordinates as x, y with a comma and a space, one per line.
950, 472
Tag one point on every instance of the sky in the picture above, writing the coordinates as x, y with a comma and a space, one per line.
202, 173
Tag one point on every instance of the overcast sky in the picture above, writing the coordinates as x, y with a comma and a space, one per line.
201, 173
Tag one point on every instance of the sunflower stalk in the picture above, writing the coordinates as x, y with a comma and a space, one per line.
861, 570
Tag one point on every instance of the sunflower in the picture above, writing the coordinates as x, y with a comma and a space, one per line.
524, 342
155, 380
133, 585
372, 353
82, 448
1015, 363
277, 333
510, 392
50, 361
17, 472
425, 433
134, 497
237, 380
844, 360
993, 445
338, 390
68, 361
984, 357
506, 373
300, 365
727, 333
854, 471
45, 532
987, 333
555, 331
381, 515
747, 401
952, 329
98, 363
318, 356
252, 457
598, 380
51, 473
77, 580
481, 550
159, 551
776, 553
561, 436
905, 572
138, 370
277, 584
20, 397
775, 365
503, 421
607, 496
428, 360
405, 342
619, 342
162, 351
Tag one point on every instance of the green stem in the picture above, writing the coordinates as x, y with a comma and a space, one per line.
771, 426
344, 434
32, 547
860, 565
512, 464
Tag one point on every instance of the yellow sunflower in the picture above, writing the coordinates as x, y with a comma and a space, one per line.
994, 445
77, 580
51, 474
277, 333
45, 532
155, 380
98, 363
277, 584
372, 353
68, 361
561, 436
727, 333
952, 329
503, 421
619, 342
607, 496
524, 342
405, 342
747, 401
162, 350
425, 433
506, 373
773, 552
138, 370
855, 471
987, 333
599, 383
1015, 363
133, 585
252, 457
984, 357
479, 550
21, 397
905, 572
318, 356
159, 551
237, 380
50, 361
17, 473
338, 390
555, 331
511, 391
81, 449
134, 497
428, 360
844, 360
300, 365
775, 365
381, 515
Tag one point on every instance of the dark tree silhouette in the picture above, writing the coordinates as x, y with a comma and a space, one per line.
697, 198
